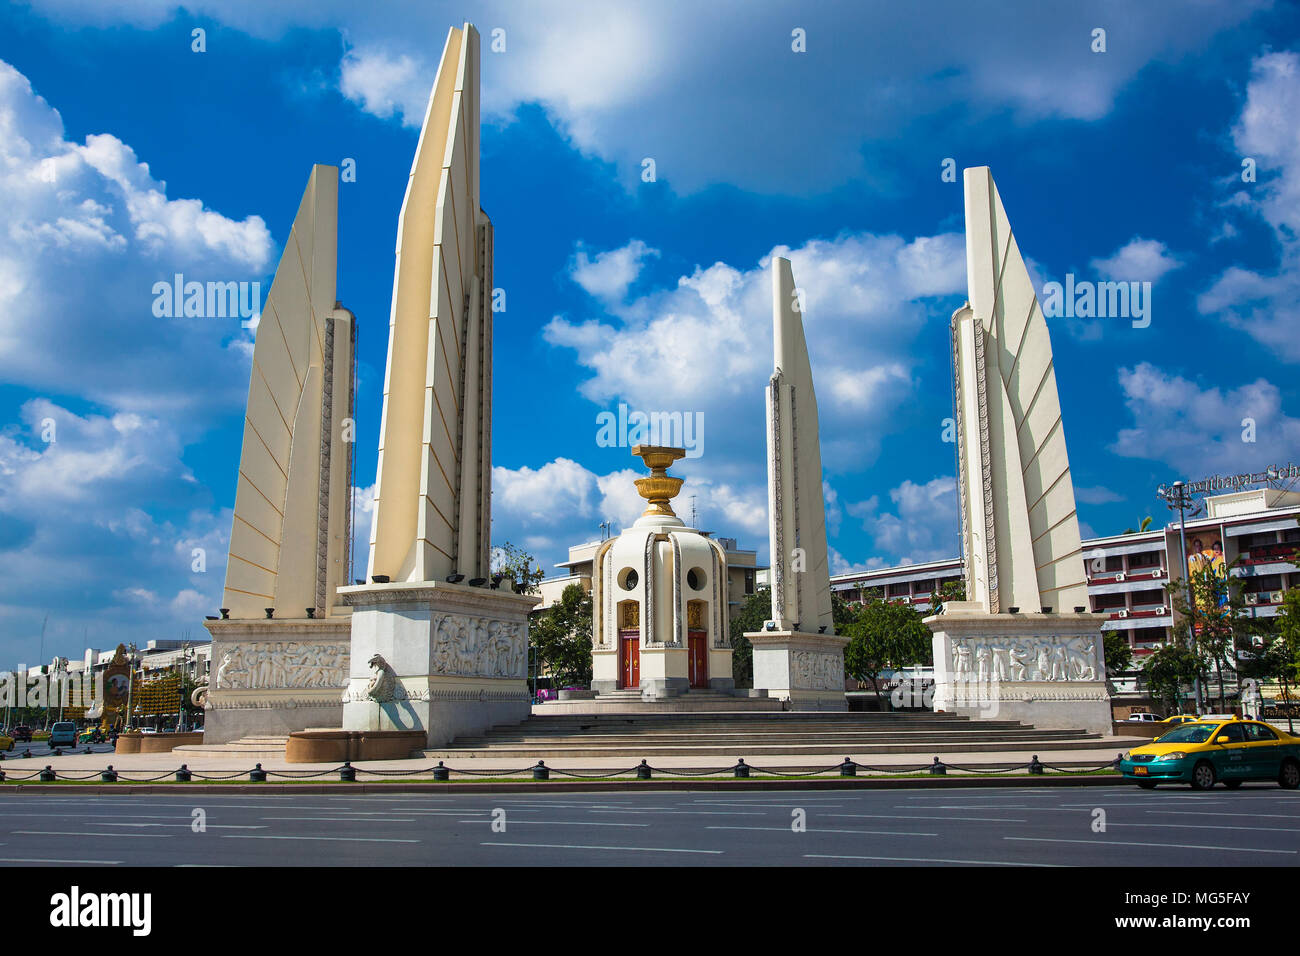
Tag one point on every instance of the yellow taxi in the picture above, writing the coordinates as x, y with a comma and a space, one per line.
6, 743
1205, 752
1181, 719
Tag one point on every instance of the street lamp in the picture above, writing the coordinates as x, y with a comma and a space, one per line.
187, 658
1177, 498
130, 682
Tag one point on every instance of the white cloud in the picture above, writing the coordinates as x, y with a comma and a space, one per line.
1265, 304
1097, 495
1199, 431
922, 527
1143, 260
608, 275
78, 259
624, 82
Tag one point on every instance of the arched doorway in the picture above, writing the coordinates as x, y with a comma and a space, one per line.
697, 642
629, 644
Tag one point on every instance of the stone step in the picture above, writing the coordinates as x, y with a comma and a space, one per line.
794, 741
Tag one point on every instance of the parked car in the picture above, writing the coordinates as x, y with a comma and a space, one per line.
6, 742
93, 735
1143, 718
63, 734
22, 733
1208, 751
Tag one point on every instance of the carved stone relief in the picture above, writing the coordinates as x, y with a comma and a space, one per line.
281, 664
1025, 659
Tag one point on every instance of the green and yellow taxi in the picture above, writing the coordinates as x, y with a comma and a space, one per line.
6, 743
1181, 719
1206, 752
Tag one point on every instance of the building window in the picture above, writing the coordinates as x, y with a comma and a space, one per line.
749, 581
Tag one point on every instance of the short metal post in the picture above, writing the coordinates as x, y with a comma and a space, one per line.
109, 775
347, 772
741, 769
257, 774
848, 768
541, 771
441, 772
183, 775
937, 768
48, 775
1035, 767
643, 770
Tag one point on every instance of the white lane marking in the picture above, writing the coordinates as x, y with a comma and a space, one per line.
710, 813
1207, 826
1211, 813
899, 816
919, 859
821, 830
209, 826
348, 819
562, 823
89, 833
574, 846
960, 806
15, 859
264, 836
1176, 846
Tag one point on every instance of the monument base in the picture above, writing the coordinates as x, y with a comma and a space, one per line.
444, 659
274, 677
805, 669
1042, 669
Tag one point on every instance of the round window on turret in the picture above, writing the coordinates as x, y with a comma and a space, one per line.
696, 579
627, 579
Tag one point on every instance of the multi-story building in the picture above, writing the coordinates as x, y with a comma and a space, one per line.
1254, 534
742, 571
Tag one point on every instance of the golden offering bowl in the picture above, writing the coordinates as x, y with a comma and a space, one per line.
659, 488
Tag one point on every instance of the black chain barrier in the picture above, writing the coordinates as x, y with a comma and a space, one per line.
643, 771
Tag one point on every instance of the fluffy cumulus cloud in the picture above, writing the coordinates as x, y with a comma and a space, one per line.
81, 537
702, 346
626, 81
102, 524
93, 210
1265, 303
919, 524
1138, 260
1198, 430
607, 276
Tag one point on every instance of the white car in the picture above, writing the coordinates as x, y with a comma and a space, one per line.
1144, 718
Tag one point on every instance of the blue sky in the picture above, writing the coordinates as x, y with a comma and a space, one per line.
1122, 164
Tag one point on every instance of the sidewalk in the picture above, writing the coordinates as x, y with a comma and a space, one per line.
140, 766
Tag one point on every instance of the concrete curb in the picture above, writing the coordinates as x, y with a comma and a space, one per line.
582, 786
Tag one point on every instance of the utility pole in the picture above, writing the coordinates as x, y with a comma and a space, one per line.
1177, 498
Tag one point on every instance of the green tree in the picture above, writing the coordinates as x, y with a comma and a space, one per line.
755, 609
1216, 613
1166, 670
885, 634
519, 566
951, 590
1119, 654
1146, 523
561, 637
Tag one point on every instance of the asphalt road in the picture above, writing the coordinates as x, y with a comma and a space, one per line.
1258, 825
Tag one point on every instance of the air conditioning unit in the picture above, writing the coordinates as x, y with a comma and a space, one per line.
1162, 611
1124, 613
1276, 597
1121, 576
1252, 597
1158, 573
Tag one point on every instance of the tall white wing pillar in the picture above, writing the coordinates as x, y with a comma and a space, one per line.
289, 536
797, 656
433, 485
1016, 648
1020, 527
801, 584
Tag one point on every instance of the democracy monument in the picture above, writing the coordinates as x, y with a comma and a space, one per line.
429, 646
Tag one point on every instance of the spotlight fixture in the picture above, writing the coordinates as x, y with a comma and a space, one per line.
455, 578
1047, 610
270, 612
1080, 609
1013, 610
211, 617
477, 582
225, 613
359, 581
822, 629
496, 581
311, 613
769, 625
379, 579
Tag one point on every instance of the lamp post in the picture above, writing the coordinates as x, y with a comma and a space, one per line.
1177, 498
130, 682
187, 657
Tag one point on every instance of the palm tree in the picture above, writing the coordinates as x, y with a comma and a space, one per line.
1146, 523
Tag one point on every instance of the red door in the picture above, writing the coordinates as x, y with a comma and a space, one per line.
697, 642
630, 659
